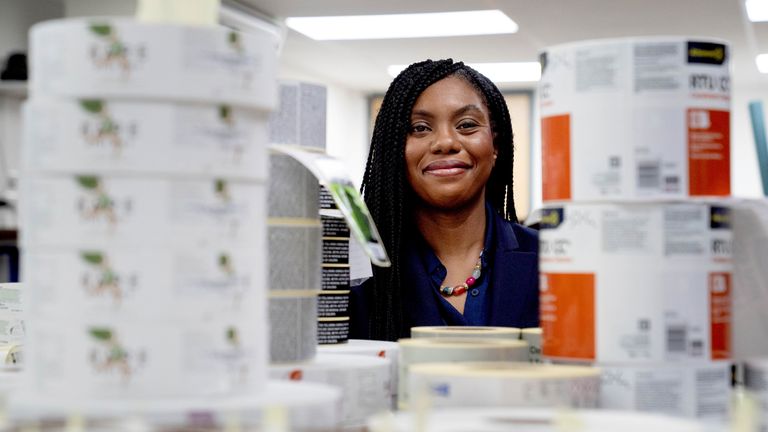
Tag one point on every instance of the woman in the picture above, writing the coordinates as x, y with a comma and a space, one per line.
438, 183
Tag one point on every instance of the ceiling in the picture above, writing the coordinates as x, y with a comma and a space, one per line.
362, 65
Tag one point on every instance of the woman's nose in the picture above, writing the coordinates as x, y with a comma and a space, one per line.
445, 141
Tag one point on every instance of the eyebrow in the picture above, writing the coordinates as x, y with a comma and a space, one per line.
458, 112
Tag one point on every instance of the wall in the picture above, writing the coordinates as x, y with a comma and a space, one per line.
16, 18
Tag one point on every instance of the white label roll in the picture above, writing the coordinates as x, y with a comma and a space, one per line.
364, 382
756, 382
506, 384
92, 211
98, 57
636, 282
635, 118
533, 337
292, 326
414, 351
109, 136
470, 332
689, 389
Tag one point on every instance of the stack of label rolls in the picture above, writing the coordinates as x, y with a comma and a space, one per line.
143, 221
635, 253
333, 304
296, 239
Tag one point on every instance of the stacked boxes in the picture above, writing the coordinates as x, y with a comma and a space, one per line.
635, 254
143, 209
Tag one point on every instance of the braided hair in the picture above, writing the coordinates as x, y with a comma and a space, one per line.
386, 189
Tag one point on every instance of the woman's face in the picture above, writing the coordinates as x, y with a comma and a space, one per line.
449, 151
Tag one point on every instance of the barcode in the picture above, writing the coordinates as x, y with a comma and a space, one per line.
677, 339
648, 175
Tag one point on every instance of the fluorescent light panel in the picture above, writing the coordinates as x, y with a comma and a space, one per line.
762, 63
496, 72
757, 10
399, 26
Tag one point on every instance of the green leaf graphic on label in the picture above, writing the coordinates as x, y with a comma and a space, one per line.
93, 257
224, 260
101, 29
225, 111
88, 182
101, 333
234, 38
93, 106
232, 336
221, 187
349, 195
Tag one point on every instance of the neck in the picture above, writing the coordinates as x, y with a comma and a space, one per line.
453, 234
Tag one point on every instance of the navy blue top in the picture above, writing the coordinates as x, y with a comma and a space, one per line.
507, 292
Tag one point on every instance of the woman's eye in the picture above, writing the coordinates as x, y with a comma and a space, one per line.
419, 128
467, 124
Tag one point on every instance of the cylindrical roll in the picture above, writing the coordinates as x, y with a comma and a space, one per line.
11, 315
94, 211
144, 283
132, 359
533, 337
636, 282
105, 136
468, 332
333, 304
293, 189
301, 115
756, 383
295, 254
371, 348
293, 326
507, 384
529, 420
332, 330
429, 350
364, 381
94, 57
689, 389
307, 407
665, 99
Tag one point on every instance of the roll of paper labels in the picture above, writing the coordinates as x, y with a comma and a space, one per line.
756, 384
143, 283
293, 326
309, 407
370, 348
301, 115
364, 382
665, 100
429, 350
293, 189
468, 332
332, 330
11, 315
95, 212
111, 136
295, 255
107, 58
133, 359
507, 384
636, 282
529, 420
533, 337
689, 389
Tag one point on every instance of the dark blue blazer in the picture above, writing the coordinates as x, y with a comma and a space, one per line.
513, 293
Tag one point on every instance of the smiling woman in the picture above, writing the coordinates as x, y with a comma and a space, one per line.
438, 184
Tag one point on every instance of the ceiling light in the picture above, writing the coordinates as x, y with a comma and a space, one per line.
757, 10
423, 25
496, 72
762, 63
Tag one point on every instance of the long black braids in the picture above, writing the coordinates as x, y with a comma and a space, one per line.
386, 190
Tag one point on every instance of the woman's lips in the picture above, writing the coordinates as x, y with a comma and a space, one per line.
445, 168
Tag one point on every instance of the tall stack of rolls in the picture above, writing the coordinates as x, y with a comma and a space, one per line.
636, 237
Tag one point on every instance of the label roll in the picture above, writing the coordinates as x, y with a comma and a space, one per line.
636, 282
332, 330
11, 315
689, 389
370, 348
428, 350
139, 359
104, 136
293, 326
294, 259
161, 283
756, 383
665, 99
468, 332
301, 115
506, 384
95, 212
533, 337
293, 189
364, 382
529, 420
333, 304
100, 57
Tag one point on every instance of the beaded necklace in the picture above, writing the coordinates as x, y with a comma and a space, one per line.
460, 289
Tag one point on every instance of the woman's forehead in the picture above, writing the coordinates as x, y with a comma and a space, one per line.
451, 92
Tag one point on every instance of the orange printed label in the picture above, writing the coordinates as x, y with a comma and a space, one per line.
720, 315
556, 157
567, 312
709, 152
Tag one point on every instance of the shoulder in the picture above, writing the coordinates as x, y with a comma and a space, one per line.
513, 236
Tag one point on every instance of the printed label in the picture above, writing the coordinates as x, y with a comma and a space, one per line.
568, 315
709, 154
720, 315
556, 157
